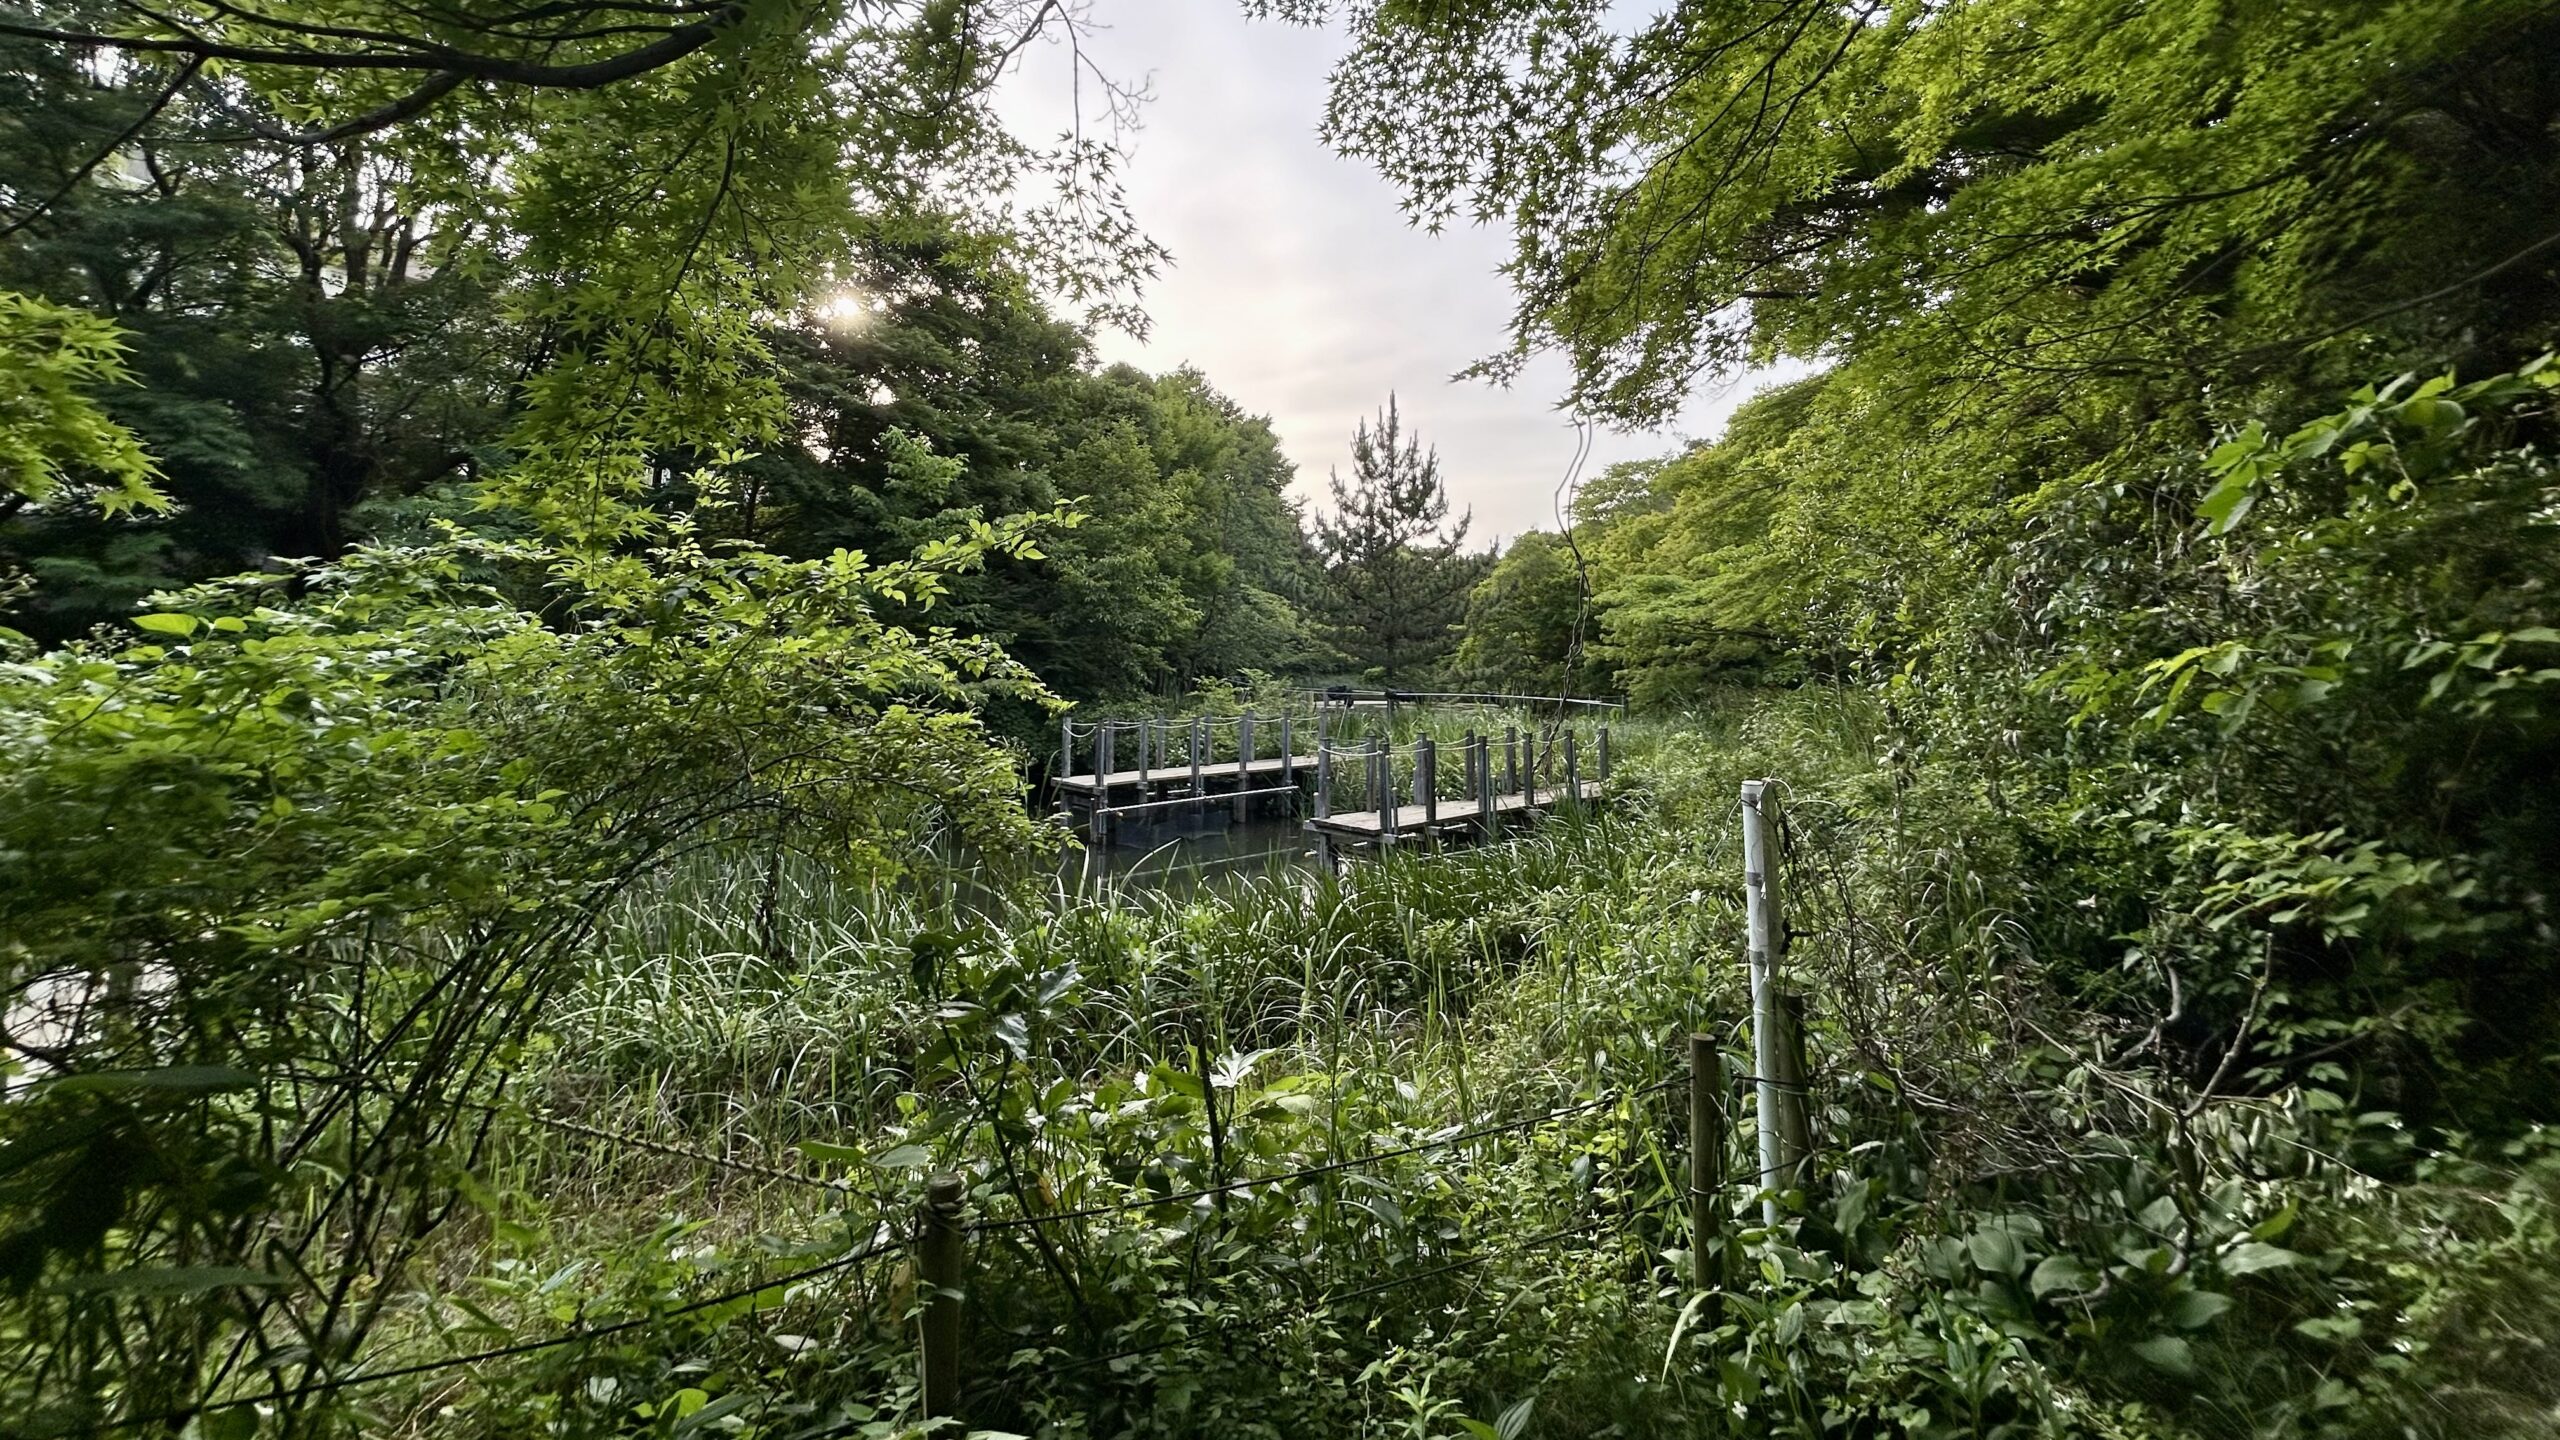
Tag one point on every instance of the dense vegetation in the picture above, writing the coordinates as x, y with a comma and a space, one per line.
540, 541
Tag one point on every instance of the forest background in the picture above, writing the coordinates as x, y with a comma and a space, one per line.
467, 463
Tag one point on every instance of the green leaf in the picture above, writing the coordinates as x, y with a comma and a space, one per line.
2167, 1353
2251, 1256
185, 1079
903, 1157
2189, 1309
1996, 1252
2059, 1272
169, 1280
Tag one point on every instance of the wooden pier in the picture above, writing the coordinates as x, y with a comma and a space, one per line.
1387, 795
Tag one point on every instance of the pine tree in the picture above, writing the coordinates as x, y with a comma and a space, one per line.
1397, 584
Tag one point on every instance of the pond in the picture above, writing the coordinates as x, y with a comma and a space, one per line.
1185, 850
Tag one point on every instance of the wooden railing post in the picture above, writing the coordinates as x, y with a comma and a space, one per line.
1572, 775
939, 1258
1510, 759
1488, 819
1288, 761
1706, 1163
1604, 754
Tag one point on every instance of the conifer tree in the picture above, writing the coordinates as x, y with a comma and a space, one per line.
1397, 578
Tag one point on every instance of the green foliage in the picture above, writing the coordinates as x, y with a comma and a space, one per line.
1527, 623
2009, 190
52, 431
287, 883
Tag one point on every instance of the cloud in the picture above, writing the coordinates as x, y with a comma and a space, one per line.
1297, 285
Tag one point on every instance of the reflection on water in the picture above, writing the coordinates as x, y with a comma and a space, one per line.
1186, 851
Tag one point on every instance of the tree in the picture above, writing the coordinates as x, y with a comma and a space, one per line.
1528, 629
1396, 586
2030, 189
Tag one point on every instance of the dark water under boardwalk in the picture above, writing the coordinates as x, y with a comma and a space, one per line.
1184, 850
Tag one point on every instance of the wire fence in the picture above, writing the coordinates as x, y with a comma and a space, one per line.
583, 1335
883, 1246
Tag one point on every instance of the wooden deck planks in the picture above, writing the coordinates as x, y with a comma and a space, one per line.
1180, 774
1410, 819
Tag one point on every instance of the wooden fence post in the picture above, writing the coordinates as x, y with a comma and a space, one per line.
938, 1266
1796, 1140
1604, 754
1785, 1131
1706, 1162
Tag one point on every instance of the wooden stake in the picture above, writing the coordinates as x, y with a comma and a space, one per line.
938, 1267
1706, 1162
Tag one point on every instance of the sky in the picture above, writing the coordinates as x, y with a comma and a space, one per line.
1298, 288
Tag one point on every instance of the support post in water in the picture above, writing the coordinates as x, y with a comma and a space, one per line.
1706, 1163
1779, 1111
1426, 783
1102, 781
1382, 788
1244, 761
938, 1265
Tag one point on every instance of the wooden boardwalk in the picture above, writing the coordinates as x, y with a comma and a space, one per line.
1369, 826
1267, 767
